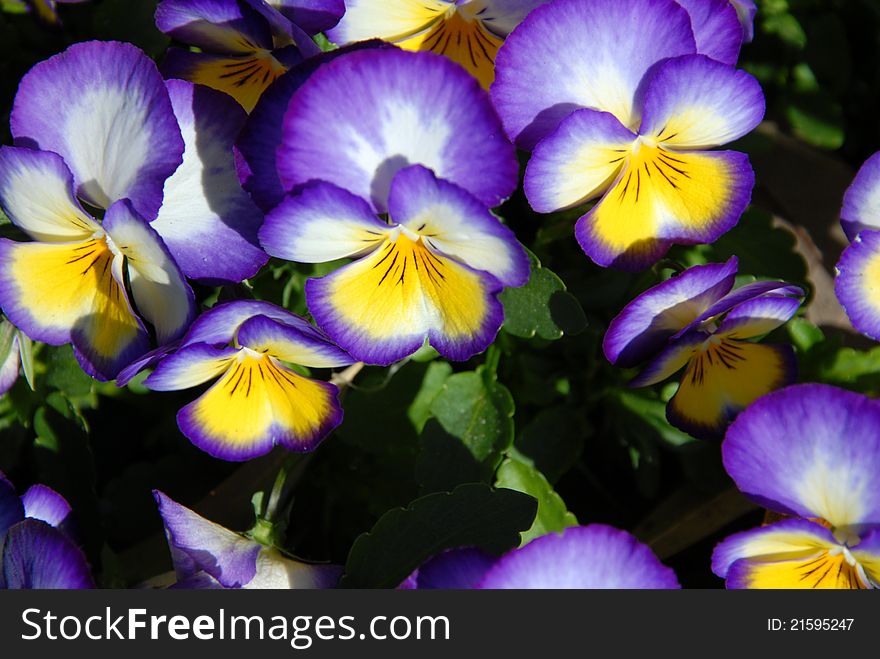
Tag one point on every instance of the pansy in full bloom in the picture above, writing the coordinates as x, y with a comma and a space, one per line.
36, 550
617, 103
594, 556
126, 186
432, 271
245, 45
258, 401
466, 31
207, 555
858, 271
812, 453
696, 322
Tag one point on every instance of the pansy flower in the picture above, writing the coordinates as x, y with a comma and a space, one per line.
858, 271
207, 555
810, 452
594, 556
257, 400
244, 45
616, 104
466, 31
431, 271
125, 186
696, 322
36, 550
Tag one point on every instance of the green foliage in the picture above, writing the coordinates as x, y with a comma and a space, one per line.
470, 516
552, 514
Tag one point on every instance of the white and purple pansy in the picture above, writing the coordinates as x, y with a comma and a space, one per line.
621, 101
431, 271
696, 322
810, 452
858, 272
258, 400
124, 184
584, 557
207, 555
244, 45
36, 550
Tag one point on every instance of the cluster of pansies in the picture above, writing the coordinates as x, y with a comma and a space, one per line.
137, 189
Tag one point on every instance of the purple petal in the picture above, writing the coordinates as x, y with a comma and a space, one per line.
571, 54
758, 316
392, 109
717, 28
220, 26
694, 102
11, 507
451, 569
746, 10
594, 556
44, 503
103, 107
219, 324
226, 556
857, 285
207, 220
145, 361
313, 16
37, 556
192, 365
861, 203
645, 324
810, 450
290, 344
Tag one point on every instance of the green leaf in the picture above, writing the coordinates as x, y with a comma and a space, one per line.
552, 515
817, 119
474, 515
420, 409
647, 413
477, 410
444, 462
65, 374
26, 351
804, 334
542, 307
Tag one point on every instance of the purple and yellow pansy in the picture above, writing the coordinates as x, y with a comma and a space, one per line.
431, 271
122, 198
858, 272
244, 45
468, 32
207, 555
257, 400
36, 549
595, 557
810, 452
695, 321
622, 101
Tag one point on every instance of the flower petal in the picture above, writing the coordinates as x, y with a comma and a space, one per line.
810, 450
203, 545
313, 16
391, 20
451, 569
570, 54
723, 380
758, 316
37, 556
381, 308
594, 556
664, 197
322, 223
578, 161
103, 107
858, 282
257, 404
694, 102
671, 359
44, 503
219, 26
190, 366
867, 553
645, 324
746, 11
457, 224
11, 507
72, 292
289, 344
160, 292
861, 203
204, 204
10, 358
717, 28
392, 109
219, 325
36, 191
274, 571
